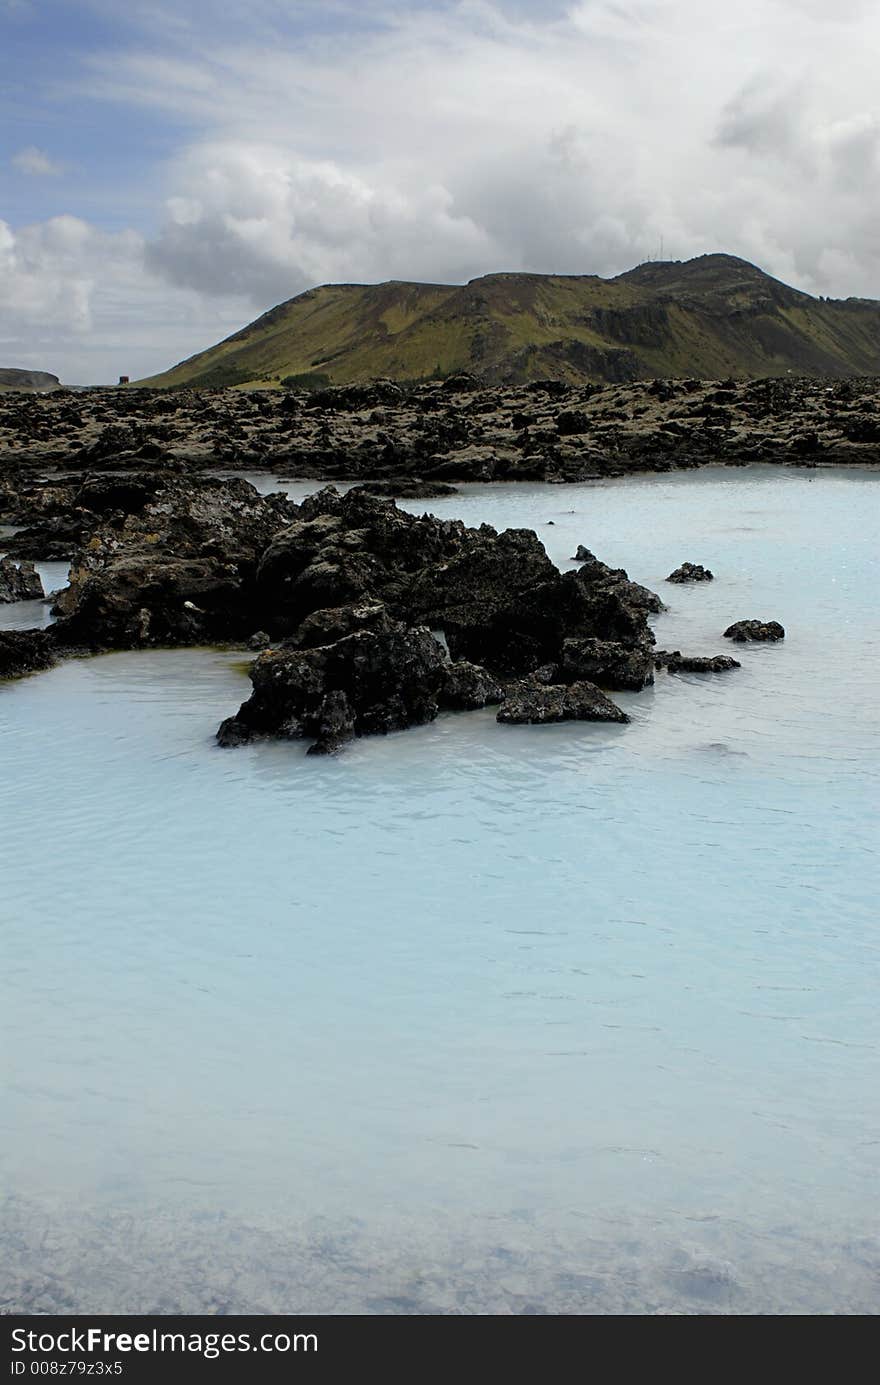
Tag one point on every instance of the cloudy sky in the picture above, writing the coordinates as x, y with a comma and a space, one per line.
169, 170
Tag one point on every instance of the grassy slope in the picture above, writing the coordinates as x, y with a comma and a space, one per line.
711, 317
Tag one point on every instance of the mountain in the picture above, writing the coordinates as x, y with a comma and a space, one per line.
30, 380
711, 317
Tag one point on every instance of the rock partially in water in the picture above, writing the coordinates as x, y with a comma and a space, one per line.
584, 555
537, 704
609, 663
599, 576
337, 724
691, 572
368, 683
467, 686
177, 567
743, 630
408, 488
498, 598
344, 592
25, 651
49, 541
19, 582
715, 663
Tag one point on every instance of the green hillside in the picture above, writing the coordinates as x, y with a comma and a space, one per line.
712, 317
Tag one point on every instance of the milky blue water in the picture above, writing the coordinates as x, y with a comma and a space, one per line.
472, 1018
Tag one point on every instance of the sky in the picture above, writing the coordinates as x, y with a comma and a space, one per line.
170, 170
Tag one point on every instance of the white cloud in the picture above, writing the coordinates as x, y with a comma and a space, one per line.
257, 220
475, 136
80, 302
36, 162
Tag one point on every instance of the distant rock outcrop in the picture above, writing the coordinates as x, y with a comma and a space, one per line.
33, 381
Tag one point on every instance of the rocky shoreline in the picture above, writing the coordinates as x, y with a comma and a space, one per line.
411, 439
365, 618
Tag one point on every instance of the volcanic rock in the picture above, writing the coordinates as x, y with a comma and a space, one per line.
25, 651
716, 663
389, 680
179, 569
691, 572
610, 663
19, 582
535, 703
743, 630
467, 686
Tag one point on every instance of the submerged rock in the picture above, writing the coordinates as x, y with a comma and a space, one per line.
537, 704
743, 630
691, 572
19, 582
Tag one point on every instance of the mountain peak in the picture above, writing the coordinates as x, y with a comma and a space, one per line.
712, 316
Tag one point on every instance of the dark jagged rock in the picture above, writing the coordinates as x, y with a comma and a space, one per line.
571, 422
232, 733
356, 583
497, 597
743, 630
52, 540
411, 488
25, 651
19, 582
609, 663
368, 618
599, 576
138, 600
415, 435
329, 624
179, 568
465, 687
662, 656
390, 679
537, 704
336, 724
691, 572
715, 663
